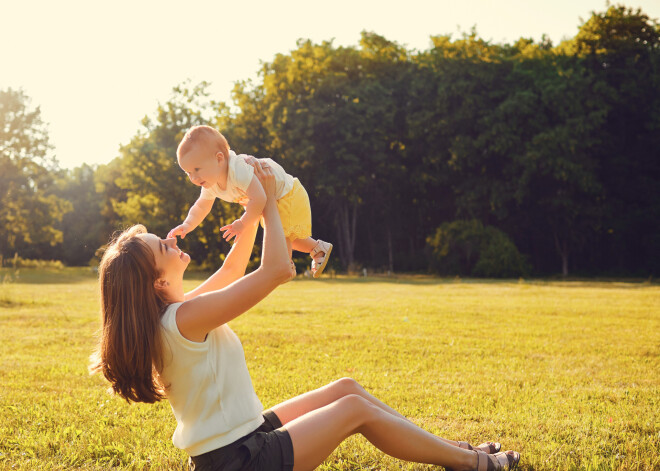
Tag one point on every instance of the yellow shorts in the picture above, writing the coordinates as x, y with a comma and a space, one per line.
295, 213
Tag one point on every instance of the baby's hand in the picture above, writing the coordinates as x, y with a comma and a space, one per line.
233, 229
181, 230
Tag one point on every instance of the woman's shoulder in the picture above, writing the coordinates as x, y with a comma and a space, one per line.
171, 328
168, 319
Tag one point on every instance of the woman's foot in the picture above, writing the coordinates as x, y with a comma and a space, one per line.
486, 447
504, 460
320, 255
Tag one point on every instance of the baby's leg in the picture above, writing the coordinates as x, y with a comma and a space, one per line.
303, 245
319, 250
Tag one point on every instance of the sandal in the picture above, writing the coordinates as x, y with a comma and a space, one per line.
486, 447
320, 261
499, 461
504, 460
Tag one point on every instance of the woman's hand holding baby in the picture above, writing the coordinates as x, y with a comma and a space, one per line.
267, 179
260, 166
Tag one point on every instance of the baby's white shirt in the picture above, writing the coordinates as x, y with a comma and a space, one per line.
239, 176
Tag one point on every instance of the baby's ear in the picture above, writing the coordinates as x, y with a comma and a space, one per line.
220, 156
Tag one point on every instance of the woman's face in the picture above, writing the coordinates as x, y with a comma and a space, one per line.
171, 262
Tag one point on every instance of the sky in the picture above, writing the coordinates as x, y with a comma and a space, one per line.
95, 69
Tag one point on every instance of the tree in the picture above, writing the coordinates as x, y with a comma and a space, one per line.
514, 126
85, 228
622, 46
329, 115
29, 211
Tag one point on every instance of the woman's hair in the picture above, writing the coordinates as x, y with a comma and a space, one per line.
129, 348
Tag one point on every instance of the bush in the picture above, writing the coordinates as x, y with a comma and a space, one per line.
18, 262
468, 248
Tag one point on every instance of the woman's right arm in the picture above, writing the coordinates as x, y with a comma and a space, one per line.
198, 316
232, 268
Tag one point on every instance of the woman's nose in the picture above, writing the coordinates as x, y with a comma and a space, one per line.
171, 242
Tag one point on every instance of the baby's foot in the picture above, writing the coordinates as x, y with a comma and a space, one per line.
320, 256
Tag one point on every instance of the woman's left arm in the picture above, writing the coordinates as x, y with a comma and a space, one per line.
234, 266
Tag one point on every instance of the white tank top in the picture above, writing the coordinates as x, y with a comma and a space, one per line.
209, 387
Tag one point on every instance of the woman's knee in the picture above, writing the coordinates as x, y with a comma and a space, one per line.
347, 386
358, 407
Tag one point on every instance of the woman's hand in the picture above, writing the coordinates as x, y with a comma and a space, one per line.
258, 164
267, 179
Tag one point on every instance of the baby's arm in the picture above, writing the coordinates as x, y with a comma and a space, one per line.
196, 214
255, 206
253, 210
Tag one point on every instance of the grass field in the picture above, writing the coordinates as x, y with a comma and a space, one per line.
567, 373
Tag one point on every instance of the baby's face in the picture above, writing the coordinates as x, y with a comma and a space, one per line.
202, 166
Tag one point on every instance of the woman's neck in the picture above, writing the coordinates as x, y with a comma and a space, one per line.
174, 292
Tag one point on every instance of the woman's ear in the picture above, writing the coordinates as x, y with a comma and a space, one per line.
161, 284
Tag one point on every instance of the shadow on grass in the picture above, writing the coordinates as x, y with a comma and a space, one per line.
72, 275
9, 302
627, 283
37, 276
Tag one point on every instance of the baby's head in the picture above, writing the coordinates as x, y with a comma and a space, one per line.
203, 154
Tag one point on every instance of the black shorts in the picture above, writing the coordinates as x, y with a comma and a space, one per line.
265, 449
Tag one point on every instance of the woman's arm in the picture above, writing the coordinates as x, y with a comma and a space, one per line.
203, 313
233, 267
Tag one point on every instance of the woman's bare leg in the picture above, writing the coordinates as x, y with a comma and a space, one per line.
310, 401
316, 434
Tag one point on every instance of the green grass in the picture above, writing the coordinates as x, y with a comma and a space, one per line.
567, 373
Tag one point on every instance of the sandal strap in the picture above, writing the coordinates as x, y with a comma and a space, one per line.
483, 461
321, 246
317, 248
489, 447
506, 460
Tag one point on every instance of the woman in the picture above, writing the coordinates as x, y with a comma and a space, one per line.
159, 343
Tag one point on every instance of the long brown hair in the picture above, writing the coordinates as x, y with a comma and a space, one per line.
129, 352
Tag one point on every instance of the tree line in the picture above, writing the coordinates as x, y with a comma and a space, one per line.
468, 158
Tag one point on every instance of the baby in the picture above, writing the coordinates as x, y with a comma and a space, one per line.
204, 155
